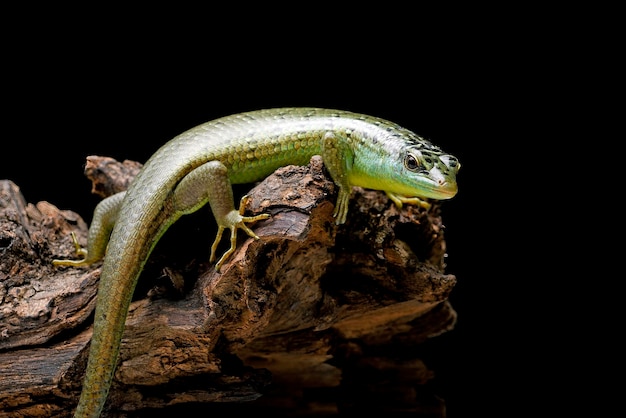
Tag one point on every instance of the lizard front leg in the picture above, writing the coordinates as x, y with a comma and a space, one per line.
338, 158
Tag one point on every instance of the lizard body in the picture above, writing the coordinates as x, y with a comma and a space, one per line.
200, 165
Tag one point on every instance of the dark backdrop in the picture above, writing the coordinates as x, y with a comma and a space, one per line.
67, 95
60, 117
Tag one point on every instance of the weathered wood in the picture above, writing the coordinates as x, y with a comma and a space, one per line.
327, 314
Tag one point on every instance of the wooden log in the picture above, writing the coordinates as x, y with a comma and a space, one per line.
312, 318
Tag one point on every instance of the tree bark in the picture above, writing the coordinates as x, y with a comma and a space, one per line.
312, 319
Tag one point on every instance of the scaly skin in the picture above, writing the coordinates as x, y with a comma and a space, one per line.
199, 166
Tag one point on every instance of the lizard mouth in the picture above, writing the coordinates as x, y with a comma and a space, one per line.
442, 186
441, 189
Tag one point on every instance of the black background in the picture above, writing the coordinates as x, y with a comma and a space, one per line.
123, 85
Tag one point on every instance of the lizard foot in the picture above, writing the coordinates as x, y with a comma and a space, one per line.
82, 252
234, 221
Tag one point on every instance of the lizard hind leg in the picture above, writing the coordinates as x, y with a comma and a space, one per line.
104, 218
210, 182
80, 251
235, 220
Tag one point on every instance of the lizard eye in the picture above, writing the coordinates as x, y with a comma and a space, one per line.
411, 162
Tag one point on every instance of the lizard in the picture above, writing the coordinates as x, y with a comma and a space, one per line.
200, 165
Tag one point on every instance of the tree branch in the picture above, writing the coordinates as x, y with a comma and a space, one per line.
323, 313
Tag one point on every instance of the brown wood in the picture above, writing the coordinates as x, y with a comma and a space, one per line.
313, 319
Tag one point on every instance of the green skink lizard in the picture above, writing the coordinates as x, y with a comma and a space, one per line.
200, 165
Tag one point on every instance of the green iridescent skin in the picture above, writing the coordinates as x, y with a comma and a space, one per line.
200, 165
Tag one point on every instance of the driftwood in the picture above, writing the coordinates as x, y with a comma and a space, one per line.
313, 319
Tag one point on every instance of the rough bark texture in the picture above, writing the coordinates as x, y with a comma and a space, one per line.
313, 319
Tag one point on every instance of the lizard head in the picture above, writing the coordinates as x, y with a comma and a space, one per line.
429, 173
